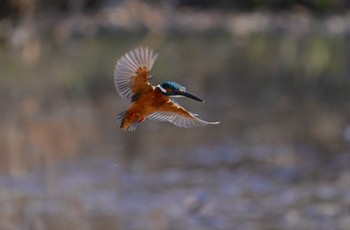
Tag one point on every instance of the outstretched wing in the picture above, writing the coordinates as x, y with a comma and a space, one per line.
132, 72
177, 115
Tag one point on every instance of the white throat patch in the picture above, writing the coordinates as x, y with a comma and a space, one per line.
161, 88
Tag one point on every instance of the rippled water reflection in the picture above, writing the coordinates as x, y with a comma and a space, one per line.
227, 189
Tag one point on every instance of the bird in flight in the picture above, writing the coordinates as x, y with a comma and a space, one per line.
131, 75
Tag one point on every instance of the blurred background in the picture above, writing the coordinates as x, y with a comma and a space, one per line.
275, 73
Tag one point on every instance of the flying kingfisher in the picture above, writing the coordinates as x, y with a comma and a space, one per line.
131, 76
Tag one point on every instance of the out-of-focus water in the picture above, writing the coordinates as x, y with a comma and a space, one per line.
278, 160
230, 190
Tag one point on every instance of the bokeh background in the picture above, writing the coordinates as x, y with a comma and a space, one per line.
275, 73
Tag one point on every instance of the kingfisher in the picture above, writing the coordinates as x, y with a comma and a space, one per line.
131, 79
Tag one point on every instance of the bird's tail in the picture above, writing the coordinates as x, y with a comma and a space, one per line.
120, 121
121, 117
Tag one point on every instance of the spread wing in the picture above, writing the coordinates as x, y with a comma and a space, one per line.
132, 72
177, 115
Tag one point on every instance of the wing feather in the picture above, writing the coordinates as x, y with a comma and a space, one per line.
132, 71
177, 115
179, 119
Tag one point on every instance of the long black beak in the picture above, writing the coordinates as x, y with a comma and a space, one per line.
192, 96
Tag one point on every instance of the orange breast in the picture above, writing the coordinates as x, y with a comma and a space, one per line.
147, 104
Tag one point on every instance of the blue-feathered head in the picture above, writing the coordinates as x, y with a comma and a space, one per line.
171, 88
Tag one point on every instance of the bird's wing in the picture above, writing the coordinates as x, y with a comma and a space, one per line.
132, 72
177, 115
